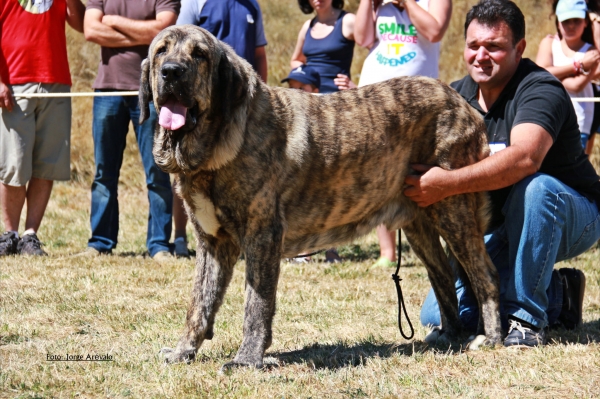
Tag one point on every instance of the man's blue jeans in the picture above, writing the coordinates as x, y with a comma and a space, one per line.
546, 222
109, 129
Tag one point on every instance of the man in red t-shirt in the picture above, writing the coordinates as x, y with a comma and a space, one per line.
34, 133
124, 29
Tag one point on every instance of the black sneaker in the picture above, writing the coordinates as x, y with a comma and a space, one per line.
571, 315
524, 335
30, 245
8, 243
332, 256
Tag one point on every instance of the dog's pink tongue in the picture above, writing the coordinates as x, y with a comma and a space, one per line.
172, 115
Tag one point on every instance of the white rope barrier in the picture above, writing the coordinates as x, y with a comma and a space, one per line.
135, 93
586, 99
81, 94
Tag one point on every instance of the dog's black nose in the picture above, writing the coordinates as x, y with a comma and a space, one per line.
172, 71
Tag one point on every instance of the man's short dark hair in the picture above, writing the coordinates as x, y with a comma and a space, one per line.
492, 12
307, 8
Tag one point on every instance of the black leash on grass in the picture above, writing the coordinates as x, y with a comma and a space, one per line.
401, 305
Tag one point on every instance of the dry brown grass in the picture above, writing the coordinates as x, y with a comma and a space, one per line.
334, 334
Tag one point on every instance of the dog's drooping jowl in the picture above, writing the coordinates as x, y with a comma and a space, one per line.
273, 172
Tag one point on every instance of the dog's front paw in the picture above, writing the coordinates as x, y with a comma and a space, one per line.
175, 356
478, 342
437, 336
237, 364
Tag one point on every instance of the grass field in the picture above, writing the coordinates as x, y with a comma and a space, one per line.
335, 332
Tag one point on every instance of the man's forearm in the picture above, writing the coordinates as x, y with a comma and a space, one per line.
530, 144
498, 171
106, 36
141, 32
524, 157
435, 183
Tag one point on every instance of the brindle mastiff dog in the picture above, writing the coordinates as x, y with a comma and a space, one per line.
272, 172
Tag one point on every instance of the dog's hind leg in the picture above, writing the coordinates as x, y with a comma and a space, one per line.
263, 247
425, 242
215, 261
459, 226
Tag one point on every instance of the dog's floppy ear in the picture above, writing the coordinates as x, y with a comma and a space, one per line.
145, 91
231, 86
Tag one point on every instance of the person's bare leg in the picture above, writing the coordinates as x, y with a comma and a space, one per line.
12, 199
38, 195
387, 243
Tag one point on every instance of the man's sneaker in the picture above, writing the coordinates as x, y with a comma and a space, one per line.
29, 244
89, 252
181, 249
332, 256
524, 335
571, 315
163, 257
8, 243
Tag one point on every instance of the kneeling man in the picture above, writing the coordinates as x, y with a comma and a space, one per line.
545, 193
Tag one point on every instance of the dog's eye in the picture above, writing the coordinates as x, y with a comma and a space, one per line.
198, 55
161, 50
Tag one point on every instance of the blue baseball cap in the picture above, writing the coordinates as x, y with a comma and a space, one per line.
304, 74
568, 9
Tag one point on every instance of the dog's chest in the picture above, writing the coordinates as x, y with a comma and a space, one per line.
205, 213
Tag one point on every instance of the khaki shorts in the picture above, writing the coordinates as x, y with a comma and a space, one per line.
35, 137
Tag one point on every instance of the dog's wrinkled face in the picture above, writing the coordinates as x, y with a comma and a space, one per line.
180, 62
188, 74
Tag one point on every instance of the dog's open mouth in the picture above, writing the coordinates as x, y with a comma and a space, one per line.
174, 115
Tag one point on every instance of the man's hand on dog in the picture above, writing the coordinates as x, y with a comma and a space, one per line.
428, 187
6, 97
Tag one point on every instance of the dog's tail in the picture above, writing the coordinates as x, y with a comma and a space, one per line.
484, 207
484, 210
483, 218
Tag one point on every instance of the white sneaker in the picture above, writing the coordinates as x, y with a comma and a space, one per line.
88, 252
163, 257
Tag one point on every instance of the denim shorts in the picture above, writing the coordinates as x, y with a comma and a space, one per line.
35, 137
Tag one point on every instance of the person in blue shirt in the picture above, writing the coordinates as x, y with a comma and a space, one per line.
238, 23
